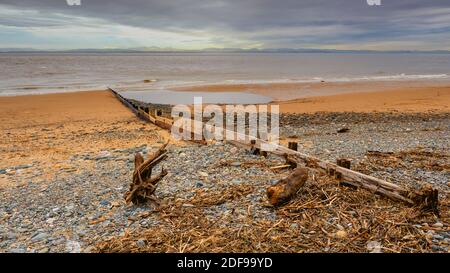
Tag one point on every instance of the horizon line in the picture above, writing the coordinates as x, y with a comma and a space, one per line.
210, 50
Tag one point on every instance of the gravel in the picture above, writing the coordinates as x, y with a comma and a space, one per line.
81, 205
68, 212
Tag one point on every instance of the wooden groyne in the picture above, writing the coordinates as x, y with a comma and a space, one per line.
426, 198
149, 114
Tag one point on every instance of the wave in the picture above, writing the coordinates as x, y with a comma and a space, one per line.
341, 79
157, 84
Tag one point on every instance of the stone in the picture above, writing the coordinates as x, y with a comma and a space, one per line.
235, 164
199, 184
103, 155
39, 237
374, 247
203, 174
104, 203
11, 236
24, 166
50, 221
140, 243
44, 250
436, 248
73, 247
438, 225
234, 150
2, 171
341, 234
17, 250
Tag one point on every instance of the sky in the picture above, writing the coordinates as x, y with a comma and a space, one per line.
199, 24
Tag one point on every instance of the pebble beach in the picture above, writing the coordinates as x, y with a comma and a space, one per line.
67, 160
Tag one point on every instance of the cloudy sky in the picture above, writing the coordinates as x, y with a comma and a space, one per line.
197, 24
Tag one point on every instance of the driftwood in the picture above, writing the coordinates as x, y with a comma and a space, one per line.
143, 185
426, 198
286, 188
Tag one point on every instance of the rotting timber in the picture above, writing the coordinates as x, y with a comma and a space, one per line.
425, 198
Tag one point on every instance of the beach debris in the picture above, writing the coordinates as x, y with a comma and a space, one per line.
143, 185
280, 167
426, 198
343, 130
286, 188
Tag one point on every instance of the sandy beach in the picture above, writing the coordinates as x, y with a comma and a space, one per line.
403, 96
49, 129
67, 160
411, 100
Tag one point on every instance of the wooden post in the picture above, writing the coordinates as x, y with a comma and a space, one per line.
293, 146
344, 163
254, 150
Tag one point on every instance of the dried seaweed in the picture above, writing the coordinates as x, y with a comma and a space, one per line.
322, 218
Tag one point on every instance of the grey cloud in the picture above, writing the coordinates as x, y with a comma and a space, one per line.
264, 21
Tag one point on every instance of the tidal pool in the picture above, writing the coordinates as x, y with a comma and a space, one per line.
174, 97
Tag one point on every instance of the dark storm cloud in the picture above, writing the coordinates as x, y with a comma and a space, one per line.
272, 23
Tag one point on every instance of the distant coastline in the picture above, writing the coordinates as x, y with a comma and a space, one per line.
218, 50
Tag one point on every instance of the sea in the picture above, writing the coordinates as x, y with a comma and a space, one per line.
38, 73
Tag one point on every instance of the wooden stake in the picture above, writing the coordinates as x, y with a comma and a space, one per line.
293, 146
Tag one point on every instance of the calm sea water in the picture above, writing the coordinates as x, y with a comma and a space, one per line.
43, 73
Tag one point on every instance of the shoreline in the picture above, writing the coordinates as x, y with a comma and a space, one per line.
323, 97
291, 91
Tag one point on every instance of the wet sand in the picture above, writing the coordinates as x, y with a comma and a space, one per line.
418, 96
